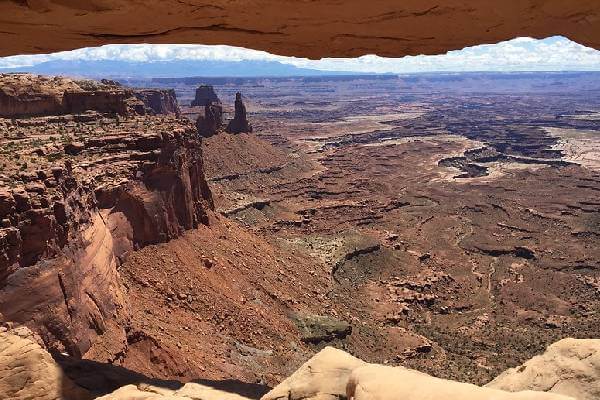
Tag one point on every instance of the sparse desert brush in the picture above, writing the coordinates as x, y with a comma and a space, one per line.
54, 156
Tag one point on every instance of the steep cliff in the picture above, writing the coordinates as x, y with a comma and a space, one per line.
25, 95
77, 193
212, 121
158, 101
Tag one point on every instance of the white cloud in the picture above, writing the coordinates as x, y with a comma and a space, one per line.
520, 54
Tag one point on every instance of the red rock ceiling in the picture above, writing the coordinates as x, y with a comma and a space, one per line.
307, 28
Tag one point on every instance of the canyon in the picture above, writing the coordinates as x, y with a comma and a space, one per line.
439, 223
80, 189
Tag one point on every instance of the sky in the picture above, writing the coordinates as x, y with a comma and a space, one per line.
521, 54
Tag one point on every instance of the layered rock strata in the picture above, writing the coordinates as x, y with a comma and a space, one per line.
25, 95
158, 101
324, 28
77, 193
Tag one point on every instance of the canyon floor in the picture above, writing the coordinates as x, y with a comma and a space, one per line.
454, 224
446, 224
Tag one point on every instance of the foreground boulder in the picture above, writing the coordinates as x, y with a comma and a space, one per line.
190, 391
570, 367
378, 382
323, 377
333, 374
27, 371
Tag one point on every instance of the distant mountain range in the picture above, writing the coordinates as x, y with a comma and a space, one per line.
172, 69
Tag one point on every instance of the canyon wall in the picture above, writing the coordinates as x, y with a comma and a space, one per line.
158, 101
24, 95
70, 211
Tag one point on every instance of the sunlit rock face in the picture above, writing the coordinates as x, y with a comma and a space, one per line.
80, 198
569, 367
333, 374
324, 28
26, 95
27, 371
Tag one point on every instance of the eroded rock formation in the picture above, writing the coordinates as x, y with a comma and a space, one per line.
212, 121
323, 377
25, 95
371, 382
74, 200
189, 391
158, 101
333, 374
205, 95
28, 371
239, 123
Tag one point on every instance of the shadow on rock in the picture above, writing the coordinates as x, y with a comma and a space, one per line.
101, 378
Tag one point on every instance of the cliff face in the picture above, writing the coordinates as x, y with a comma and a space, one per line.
74, 201
205, 95
158, 101
24, 95
211, 122
168, 196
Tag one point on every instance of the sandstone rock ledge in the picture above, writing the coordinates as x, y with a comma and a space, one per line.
190, 391
569, 366
333, 374
27, 371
